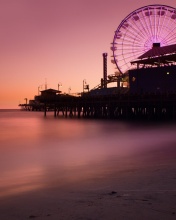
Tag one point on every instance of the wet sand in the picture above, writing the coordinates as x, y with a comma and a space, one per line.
140, 186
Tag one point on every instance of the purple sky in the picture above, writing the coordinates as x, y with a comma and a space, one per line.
58, 41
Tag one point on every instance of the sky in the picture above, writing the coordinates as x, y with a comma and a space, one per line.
57, 42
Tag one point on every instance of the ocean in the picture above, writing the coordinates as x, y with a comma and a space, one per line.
37, 152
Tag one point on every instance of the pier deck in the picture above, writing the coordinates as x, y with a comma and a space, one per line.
117, 106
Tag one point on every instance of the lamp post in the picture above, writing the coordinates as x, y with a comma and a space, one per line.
26, 100
39, 87
59, 85
84, 83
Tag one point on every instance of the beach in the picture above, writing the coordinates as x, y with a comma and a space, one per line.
99, 182
134, 191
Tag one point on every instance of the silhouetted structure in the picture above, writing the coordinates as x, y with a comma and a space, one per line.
150, 93
104, 81
155, 71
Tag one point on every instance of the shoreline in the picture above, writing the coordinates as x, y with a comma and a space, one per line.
143, 187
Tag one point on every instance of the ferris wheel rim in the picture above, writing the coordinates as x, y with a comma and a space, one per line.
137, 11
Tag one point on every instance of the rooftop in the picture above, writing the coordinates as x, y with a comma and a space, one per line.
161, 55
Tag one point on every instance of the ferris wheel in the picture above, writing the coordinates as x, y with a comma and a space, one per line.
139, 31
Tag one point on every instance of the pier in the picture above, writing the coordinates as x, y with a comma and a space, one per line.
146, 92
153, 107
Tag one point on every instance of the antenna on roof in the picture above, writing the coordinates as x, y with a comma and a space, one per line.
45, 84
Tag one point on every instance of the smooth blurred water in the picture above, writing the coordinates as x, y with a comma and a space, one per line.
36, 152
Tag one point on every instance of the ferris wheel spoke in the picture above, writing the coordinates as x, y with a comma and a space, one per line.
170, 34
163, 18
135, 39
127, 57
155, 26
128, 51
136, 33
131, 42
134, 53
156, 22
135, 26
130, 57
144, 30
151, 23
140, 49
129, 35
168, 25
128, 44
141, 27
132, 35
147, 24
163, 21
171, 38
140, 34
124, 65
135, 30
138, 53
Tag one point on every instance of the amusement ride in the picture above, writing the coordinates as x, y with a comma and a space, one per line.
148, 26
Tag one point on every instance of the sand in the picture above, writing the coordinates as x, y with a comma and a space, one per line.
141, 186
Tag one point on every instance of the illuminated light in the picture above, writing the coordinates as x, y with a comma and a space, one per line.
168, 73
133, 79
125, 84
